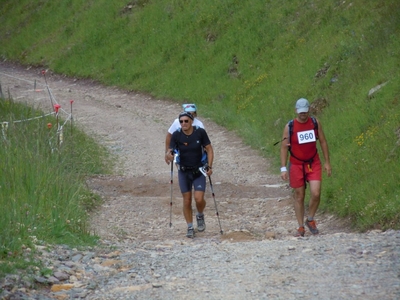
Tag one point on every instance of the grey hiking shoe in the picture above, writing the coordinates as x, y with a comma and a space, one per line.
201, 225
312, 226
190, 233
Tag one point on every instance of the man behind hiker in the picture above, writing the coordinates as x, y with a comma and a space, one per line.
301, 135
190, 108
191, 142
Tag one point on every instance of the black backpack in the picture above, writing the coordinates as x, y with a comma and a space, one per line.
204, 159
290, 124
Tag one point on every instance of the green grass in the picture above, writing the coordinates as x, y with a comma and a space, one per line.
43, 197
244, 65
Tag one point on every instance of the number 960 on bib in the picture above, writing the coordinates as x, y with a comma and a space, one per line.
307, 136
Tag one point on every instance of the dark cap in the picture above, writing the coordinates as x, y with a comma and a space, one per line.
185, 114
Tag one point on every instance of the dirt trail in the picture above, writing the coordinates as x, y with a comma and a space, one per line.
255, 258
253, 202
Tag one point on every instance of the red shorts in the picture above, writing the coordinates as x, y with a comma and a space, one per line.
297, 173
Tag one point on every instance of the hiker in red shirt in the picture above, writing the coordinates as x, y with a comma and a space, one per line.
300, 140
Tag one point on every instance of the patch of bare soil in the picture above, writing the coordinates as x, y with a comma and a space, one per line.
252, 201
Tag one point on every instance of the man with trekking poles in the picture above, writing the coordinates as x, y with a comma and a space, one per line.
186, 148
190, 108
299, 138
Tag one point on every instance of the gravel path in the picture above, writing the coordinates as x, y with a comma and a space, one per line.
141, 257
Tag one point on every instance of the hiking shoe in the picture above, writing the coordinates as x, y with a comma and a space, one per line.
312, 226
190, 233
300, 232
201, 225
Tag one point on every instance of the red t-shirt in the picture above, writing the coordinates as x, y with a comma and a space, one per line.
303, 142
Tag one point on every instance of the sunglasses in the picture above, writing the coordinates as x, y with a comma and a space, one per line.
186, 121
190, 105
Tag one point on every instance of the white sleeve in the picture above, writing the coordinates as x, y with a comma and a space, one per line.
197, 122
174, 127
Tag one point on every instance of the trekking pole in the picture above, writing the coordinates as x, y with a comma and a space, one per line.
170, 203
215, 203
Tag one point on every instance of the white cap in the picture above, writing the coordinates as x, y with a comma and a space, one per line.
189, 107
302, 105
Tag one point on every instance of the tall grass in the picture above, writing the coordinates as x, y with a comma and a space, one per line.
245, 64
43, 197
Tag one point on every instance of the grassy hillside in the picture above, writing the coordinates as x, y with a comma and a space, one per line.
245, 63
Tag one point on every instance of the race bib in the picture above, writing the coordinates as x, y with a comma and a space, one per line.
307, 136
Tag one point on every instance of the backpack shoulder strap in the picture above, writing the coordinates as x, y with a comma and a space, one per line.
177, 139
314, 120
290, 130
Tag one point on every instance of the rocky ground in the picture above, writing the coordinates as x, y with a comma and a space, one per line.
140, 256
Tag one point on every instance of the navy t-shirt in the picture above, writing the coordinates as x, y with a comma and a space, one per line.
190, 147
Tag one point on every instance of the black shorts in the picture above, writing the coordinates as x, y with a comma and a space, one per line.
188, 179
